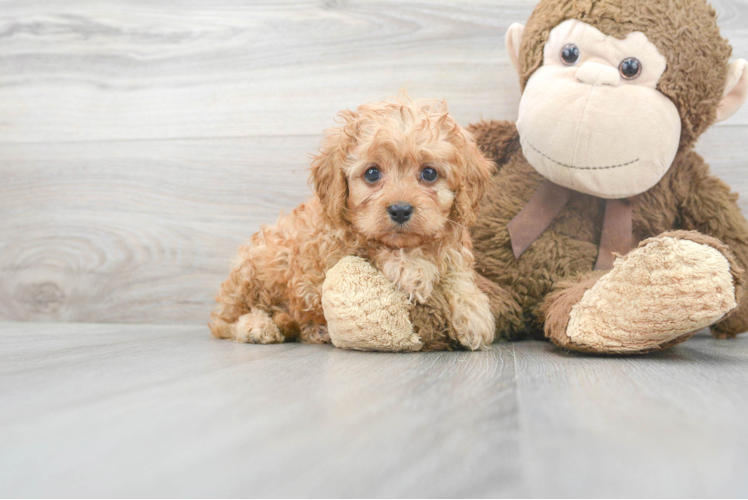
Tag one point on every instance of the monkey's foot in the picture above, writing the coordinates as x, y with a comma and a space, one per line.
658, 295
256, 327
364, 311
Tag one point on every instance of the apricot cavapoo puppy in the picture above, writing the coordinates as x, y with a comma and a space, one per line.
398, 184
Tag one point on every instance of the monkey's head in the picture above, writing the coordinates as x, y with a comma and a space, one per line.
613, 89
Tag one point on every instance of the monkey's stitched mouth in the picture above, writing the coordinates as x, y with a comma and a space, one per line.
579, 168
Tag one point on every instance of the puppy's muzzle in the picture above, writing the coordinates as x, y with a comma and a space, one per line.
400, 212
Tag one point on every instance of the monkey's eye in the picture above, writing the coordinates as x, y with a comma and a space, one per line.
429, 174
630, 68
570, 54
372, 175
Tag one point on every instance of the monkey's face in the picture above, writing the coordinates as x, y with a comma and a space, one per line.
591, 117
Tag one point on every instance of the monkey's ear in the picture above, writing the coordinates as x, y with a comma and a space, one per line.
513, 39
736, 89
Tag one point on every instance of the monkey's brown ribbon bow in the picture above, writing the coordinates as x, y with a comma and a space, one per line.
545, 205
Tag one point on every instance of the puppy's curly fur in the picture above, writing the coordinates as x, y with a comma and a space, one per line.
274, 291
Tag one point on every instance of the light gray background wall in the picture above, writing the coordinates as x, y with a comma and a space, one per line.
142, 141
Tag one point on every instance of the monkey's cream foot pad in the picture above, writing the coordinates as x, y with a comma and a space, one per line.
657, 295
364, 311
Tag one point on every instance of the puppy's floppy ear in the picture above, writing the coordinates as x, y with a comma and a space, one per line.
327, 174
477, 172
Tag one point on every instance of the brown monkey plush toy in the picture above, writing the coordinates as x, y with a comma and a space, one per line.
603, 230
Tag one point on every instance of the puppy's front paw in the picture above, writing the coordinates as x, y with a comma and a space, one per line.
473, 322
257, 327
315, 334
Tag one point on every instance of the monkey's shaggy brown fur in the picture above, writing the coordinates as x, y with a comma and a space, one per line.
535, 293
687, 197
431, 321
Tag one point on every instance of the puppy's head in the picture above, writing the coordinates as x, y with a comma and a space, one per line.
401, 173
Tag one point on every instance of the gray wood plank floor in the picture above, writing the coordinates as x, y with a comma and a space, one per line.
142, 142
165, 410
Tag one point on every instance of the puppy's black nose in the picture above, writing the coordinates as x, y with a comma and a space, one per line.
400, 212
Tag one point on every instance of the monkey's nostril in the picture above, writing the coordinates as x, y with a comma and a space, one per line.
400, 212
593, 73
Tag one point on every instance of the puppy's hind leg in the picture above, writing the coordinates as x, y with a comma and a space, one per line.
315, 334
246, 298
255, 327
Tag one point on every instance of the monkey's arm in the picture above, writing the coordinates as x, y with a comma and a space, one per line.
497, 139
708, 206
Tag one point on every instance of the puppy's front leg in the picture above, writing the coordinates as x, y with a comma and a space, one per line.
473, 324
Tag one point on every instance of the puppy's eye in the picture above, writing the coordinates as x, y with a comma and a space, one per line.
570, 54
429, 174
372, 174
630, 68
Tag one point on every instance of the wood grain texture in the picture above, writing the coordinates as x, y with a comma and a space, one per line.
103, 70
141, 142
113, 70
171, 411
135, 231
658, 426
165, 410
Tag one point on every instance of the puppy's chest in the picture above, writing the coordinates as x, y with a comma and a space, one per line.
414, 273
